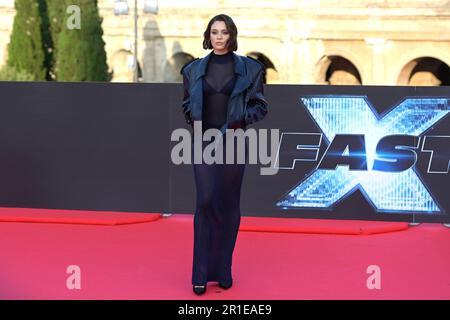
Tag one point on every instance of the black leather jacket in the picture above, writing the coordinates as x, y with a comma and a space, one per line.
246, 104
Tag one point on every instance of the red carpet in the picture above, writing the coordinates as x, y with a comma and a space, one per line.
320, 226
248, 223
107, 218
154, 261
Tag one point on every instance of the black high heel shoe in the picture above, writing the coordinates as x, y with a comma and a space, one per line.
198, 290
225, 286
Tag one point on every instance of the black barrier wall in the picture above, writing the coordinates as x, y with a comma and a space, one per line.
106, 146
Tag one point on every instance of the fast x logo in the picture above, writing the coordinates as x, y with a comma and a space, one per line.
367, 151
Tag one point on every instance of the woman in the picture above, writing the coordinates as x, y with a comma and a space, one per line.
224, 91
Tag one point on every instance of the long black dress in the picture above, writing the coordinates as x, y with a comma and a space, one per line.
217, 215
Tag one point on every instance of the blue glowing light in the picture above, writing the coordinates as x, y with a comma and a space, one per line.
386, 191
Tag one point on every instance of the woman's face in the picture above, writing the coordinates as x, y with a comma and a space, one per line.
219, 37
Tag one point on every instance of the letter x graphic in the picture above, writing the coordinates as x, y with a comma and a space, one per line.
386, 191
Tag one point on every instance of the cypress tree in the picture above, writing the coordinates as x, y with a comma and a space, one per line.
8, 73
25, 49
81, 54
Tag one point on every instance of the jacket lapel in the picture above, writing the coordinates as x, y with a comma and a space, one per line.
243, 80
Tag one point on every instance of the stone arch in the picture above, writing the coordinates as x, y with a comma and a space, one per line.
337, 70
122, 66
425, 71
171, 70
271, 72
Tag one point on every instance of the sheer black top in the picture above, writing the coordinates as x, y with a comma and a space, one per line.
218, 83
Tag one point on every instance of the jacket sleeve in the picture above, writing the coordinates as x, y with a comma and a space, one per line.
186, 100
256, 104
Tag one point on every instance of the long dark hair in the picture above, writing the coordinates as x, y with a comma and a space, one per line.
231, 28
